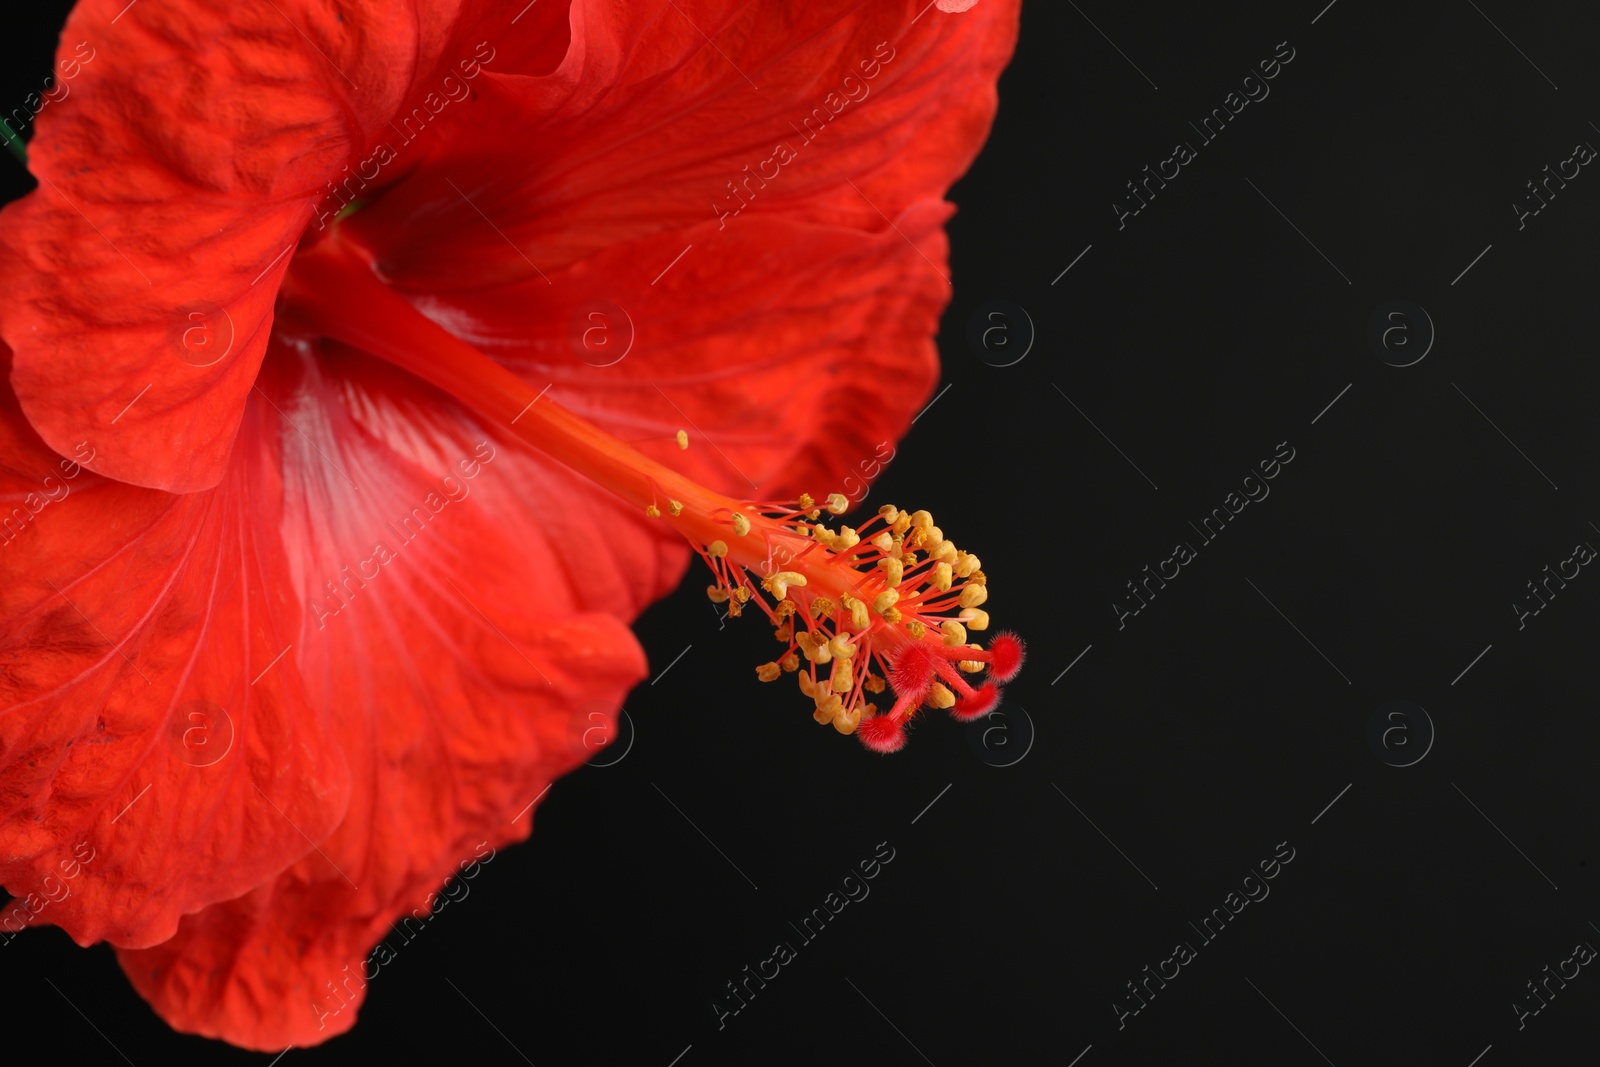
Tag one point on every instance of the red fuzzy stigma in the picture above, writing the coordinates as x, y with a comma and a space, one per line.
882, 733
912, 670
1007, 651
982, 701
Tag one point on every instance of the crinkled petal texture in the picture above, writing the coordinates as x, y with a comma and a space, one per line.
173, 178
305, 635
453, 655
798, 168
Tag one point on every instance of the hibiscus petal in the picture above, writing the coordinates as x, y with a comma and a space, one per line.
827, 287
464, 662
135, 624
451, 673
141, 274
449, 770
645, 124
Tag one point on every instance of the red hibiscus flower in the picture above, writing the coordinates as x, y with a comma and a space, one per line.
325, 332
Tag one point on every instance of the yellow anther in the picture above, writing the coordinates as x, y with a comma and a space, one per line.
790, 662
807, 686
859, 619
888, 513
674, 508
842, 646
717, 549
908, 559
945, 553
768, 672
892, 616
806, 502
884, 542
940, 697
683, 439
975, 618
922, 519
821, 608
954, 632
973, 596
837, 503
815, 647
742, 594
977, 578
652, 511
972, 666
846, 721
842, 671
901, 524
778, 584
932, 537
717, 593
846, 539
885, 600
942, 576
785, 608
874, 683
825, 712
741, 525
893, 572
784, 631
824, 535
966, 564
916, 629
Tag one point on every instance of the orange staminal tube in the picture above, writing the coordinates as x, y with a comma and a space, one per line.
860, 610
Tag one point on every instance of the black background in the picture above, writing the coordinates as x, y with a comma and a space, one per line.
1223, 718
